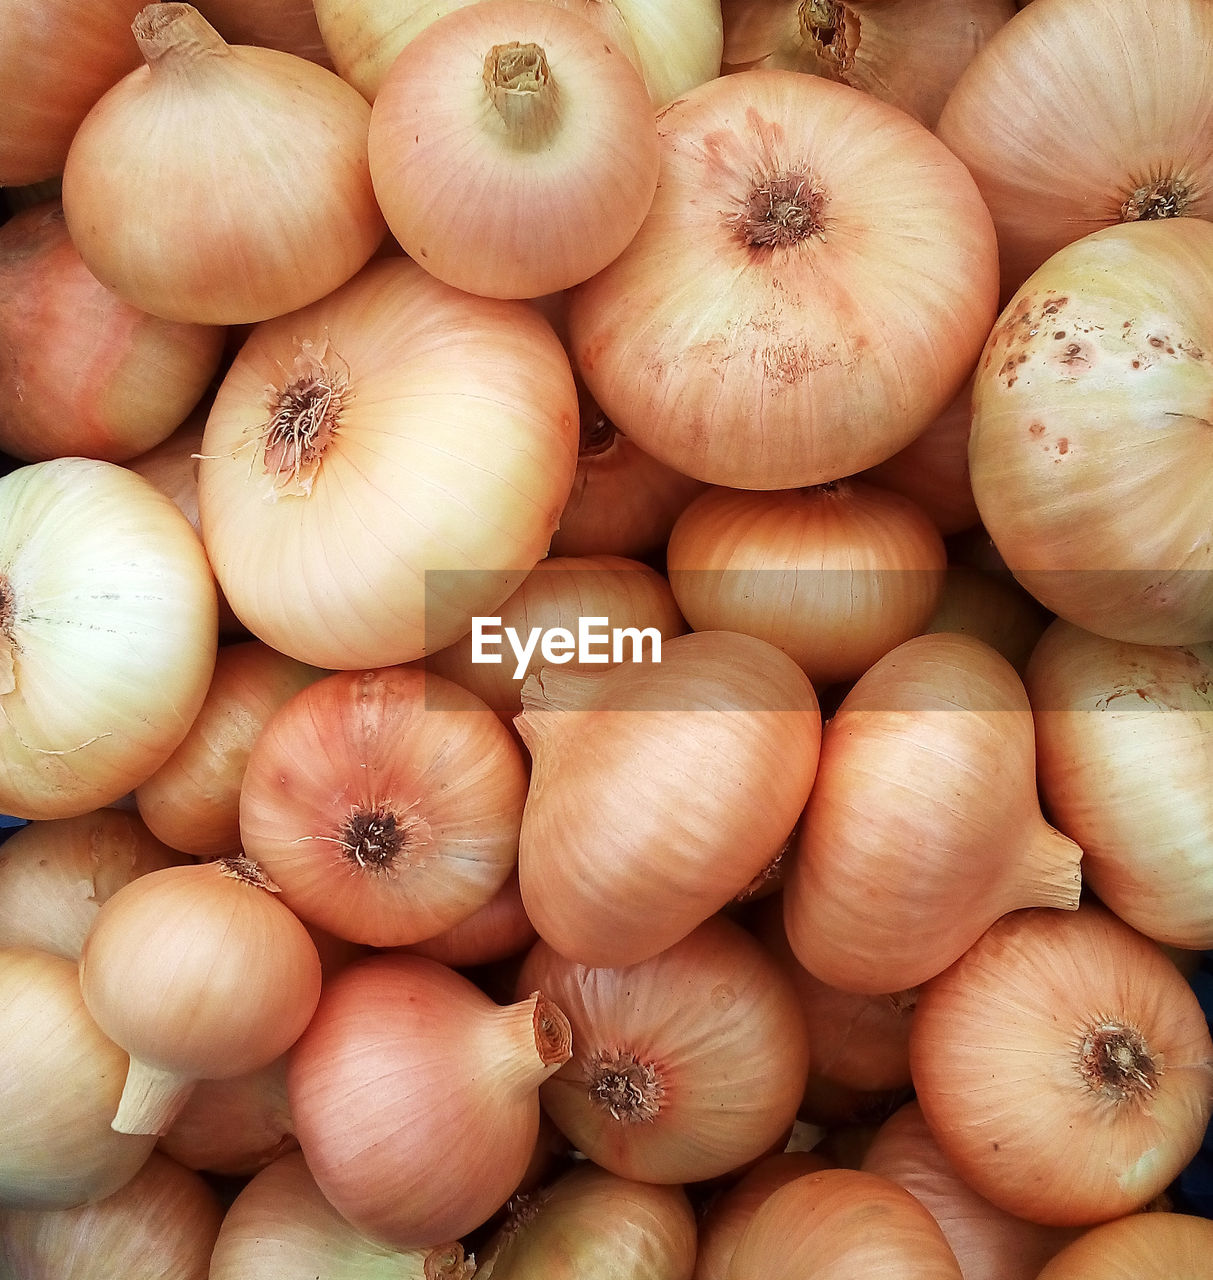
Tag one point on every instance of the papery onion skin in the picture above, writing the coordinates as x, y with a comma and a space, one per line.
192, 802
923, 825
105, 591
416, 1099
56, 873
57, 59
1124, 748
86, 374
385, 805
1089, 447
243, 190
685, 1066
589, 1224
1070, 122
839, 1224
445, 405
59, 1150
548, 126
1160, 1245
1092, 1087
280, 1224
659, 790
161, 1225
752, 341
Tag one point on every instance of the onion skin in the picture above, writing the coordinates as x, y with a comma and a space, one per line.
1145, 1246
1032, 1109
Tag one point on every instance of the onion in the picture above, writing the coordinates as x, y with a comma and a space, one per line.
221, 184
1089, 449
494, 932
406, 467
86, 373
835, 576
192, 802
280, 1225
907, 52
810, 289
989, 1243
923, 825
1141, 1246
385, 805
55, 874
518, 128
991, 606
1081, 114
659, 790
161, 1225
200, 974
1064, 1066
57, 59
289, 25
415, 1097
60, 1085
589, 1224
685, 1066
839, 1224
107, 634
1124, 742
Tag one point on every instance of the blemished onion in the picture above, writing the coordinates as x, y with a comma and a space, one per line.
907, 52
234, 1127
385, 805
1089, 448
60, 1085
685, 1066
1161, 1245
494, 932
835, 575
989, 1243
199, 973
281, 1225
57, 59
616, 591
407, 467
56, 873
416, 1097
517, 128
923, 825
161, 1225
810, 289
726, 1216
673, 46
993, 607
1064, 1066
107, 634
221, 184
1082, 114
1124, 743
589, 1224
192, 802
622, 502
839, 1224
85, 372
933, 469
659, 791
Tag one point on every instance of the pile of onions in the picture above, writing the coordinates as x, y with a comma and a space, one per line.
199, 191
810, 289
406, 468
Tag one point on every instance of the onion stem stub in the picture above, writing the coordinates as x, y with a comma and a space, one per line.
520, 87
630, 1090
1160, 198
247, 872
1114, 1060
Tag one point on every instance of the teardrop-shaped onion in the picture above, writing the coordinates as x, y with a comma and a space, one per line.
107, 634
1064, 1066
810, 288
1125, 755
402, 476
923, 825
659, 790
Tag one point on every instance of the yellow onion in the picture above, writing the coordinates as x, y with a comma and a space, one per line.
1142, 1246
990, 605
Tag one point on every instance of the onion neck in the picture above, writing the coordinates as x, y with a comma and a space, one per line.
152, 1099
1049, 871
174, 37
520, 87
528, 1041
831, 31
